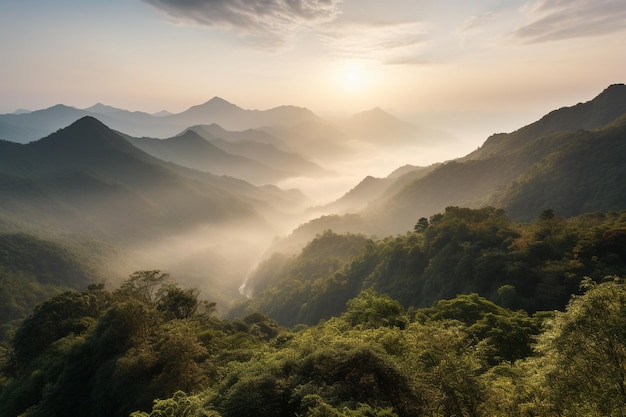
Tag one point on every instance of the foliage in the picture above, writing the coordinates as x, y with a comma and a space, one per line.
151, 348
534, 266
107, 353
584, 352
110, 354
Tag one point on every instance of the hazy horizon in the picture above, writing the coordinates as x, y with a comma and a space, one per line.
518, 59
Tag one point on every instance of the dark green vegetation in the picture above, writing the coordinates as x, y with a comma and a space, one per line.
151, 348
32, 270
534, 266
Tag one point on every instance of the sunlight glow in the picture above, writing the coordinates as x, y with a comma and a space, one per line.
353, 77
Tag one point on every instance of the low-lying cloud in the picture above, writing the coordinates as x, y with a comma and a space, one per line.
263, 22
553, 20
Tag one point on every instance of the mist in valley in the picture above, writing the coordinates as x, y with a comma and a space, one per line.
211, 203
218, 259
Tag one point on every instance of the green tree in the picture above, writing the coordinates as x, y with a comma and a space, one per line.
370, 309
145, 285
421, 225
584, 352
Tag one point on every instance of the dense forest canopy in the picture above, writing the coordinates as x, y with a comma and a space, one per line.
503, 337
531, 266
151, 348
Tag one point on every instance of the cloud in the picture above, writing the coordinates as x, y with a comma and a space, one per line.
387, 42
476, 23
265, 23
554, 20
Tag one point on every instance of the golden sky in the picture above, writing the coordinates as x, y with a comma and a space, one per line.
412, 57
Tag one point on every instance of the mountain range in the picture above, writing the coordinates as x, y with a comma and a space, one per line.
292, 129
87, 179
569, 161
87, 182
210, 148
29, 126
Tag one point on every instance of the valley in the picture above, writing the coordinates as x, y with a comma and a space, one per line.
191, 239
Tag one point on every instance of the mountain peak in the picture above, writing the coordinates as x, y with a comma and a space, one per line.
190, 135
215, 106
102, 108
85, 133
376, 114
87, 122
613, 93
217, 99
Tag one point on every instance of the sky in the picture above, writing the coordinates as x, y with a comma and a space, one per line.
445, 62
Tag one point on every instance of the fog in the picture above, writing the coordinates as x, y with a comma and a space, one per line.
218, 258
169, 207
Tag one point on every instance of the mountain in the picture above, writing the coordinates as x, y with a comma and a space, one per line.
313, 139
103, 108
603, 109
26, 127
192, 150
232, 117
87, 185
370, 189
83, 176
214, 131
378, 127
569, 161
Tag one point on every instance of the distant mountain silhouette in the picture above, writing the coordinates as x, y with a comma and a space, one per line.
313, 139
193, 151
370, 189
26, 127
215, 131
232, 117
262, 147
381, 128
87, 177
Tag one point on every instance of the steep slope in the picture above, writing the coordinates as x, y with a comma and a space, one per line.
260, 146
370, 189
85, 185
526, 171
587, 175
603, 109
85, 175
191, 150
26, 127
270, 155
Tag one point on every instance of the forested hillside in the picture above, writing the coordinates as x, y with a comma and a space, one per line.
532, 266
567, 161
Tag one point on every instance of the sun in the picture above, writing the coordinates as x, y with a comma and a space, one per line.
353, 77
